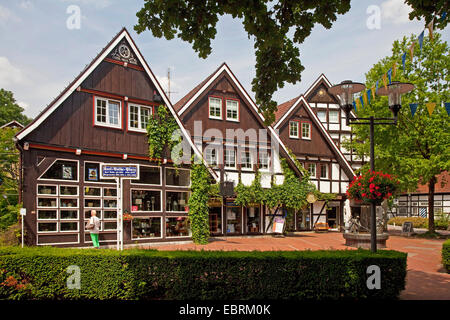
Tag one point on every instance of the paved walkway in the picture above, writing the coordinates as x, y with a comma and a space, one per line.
426, 278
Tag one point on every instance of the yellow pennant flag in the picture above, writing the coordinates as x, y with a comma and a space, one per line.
358, 104
430, 27
430, 106
385, 81
411, 50
373, 92
394, 69
365, 98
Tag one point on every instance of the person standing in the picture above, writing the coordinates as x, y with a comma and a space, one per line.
94, 228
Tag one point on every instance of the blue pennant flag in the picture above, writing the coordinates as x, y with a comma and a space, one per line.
389, 74
421, 39
354, 105
413, 107
362, 101
443, 15
404, 60
376, 90
369, 94
447, 107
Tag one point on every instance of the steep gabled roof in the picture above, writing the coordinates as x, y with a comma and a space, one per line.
322, 130
12, 124
186, 102
123, 34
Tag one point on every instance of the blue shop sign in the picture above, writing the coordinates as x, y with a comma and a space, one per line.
120, 171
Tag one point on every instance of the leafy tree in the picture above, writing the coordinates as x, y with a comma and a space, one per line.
9, 178
428, 9
10, 110
269, 23
417, 150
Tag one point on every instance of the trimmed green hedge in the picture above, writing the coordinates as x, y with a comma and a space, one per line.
446, 255
41, 273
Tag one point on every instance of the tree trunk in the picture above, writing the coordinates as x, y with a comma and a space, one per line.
431, 185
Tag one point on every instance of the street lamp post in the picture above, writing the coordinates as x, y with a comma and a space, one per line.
345, 91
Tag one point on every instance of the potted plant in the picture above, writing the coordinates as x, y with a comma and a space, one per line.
127, 216
372, 187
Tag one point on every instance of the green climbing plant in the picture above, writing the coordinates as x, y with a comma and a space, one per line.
162, 133
201, 189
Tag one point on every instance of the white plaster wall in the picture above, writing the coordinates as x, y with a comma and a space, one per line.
265, 180
279, 179
325, 186
247, 178
335, 171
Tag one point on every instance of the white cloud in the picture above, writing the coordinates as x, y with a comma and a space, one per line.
396, 11
23, 104
26, 4
9, 74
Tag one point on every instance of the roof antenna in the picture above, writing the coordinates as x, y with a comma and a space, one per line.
168, 92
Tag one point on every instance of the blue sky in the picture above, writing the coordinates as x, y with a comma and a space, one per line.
39, 55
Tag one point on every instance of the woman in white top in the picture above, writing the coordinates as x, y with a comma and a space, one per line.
94, 228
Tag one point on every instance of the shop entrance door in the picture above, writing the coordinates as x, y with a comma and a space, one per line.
234, 219
253, 219
332, 217
215, 220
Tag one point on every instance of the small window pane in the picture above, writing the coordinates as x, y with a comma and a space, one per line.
145, 200
293, 129
334, 116
134, 117
47, 202
110, 225
92, 203
69, 214
306, 130
146, 228
92, 192
176, 201
177, 227
47, 215
232, 109
110, 203
87, 214
114, 112
46, 190
145, 116
101, 111
62, 170
230, 159
109, 192
69, 226
181, 178
149, 175
215, 107
68, 191
108, 214
68, 203
47, 226
246, 160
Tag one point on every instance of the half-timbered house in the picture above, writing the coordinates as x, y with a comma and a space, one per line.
101, 117
226, 124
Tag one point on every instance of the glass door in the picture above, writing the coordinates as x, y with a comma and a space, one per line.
234, 219
253, 217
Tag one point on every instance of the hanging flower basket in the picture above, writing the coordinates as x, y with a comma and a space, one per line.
372, 187
127, 217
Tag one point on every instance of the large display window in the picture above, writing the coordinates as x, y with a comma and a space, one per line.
178, 177
177, 227
146, 228
176, 201
234, 218
145, 200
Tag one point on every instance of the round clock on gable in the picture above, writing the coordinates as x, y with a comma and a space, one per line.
124, 51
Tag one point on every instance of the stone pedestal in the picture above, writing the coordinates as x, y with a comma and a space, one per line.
362, 240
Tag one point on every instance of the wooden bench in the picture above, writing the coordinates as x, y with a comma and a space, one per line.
321, 227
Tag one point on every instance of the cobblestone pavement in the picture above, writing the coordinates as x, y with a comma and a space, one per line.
426, 278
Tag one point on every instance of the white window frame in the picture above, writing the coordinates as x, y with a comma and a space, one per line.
170, 185
324, 165
260, 162
160, 224
68, 195
226, 159
148, 184
185, 205
139, 189
313, 176
177, 237
330, 118
250, 158
220, 108
47, 185
140, 123
49, 220
237, 110
71, 219
209, 156
291, 123
107, 123
68, 221
325, 113
60, 159
309, 131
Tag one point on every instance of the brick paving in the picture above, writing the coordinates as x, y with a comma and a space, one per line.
426, 278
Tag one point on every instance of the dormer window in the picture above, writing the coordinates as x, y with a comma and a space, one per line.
108, 113
306, 130
232, 110
138, 117
215, 108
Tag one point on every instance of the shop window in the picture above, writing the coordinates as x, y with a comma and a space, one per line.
177, 227
109, 192
92, 203
68, 191
47, 190
47, 215
109, 203
144, 228
47, 227
145, 200
176, 201
47, 202
69, 214
179, 178
253, 219
69, 226
92, 192
148, 175
62, 170
233, 219
109, 225
215, 219
92, 173
68, 203
110, 215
